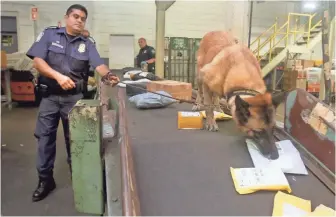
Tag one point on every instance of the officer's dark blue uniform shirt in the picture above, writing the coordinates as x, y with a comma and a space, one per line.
71, 56
145, 54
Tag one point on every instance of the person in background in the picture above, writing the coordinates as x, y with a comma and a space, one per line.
62, 55
146, 55
90, 72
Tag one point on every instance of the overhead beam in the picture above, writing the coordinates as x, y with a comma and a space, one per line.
161, 8
163, 5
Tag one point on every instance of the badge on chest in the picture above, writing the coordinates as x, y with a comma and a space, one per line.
81, 48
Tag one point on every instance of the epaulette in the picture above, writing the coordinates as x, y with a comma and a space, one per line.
52, 27
92, 40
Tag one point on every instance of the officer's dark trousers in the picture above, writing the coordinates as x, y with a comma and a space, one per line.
51, 110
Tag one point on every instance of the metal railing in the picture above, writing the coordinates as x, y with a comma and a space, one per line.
283, 34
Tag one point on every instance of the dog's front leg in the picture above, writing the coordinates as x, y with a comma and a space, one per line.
210, 122
216, 102
199, 98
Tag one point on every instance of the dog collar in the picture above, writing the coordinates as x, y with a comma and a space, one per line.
241, 92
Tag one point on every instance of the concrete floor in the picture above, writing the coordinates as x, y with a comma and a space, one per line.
18, 173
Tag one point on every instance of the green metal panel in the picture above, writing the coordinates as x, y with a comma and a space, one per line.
197, 42
179, 43
86, 153
182, 60
179, 59
195, 46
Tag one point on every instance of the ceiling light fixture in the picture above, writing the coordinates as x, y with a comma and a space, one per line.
309, 5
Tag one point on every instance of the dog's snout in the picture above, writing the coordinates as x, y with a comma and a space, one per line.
274, 155
266, 143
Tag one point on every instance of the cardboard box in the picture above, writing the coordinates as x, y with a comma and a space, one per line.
308, 63
300, 64
318, 62
289, 79
301, 73
301, 83
313, 79
3, 59
189, 120
179, 90
292, 64
300, 67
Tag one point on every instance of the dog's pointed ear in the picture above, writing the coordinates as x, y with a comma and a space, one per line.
278, 98
240, 103
242, 110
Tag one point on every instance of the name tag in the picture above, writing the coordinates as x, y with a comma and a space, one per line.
57, 45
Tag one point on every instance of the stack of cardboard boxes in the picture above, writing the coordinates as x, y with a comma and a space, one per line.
296, 75
313, 79
3, 66
289, 79
3, 59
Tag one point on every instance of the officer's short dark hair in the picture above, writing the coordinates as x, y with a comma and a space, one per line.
77, 7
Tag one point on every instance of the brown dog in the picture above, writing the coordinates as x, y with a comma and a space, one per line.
228, 69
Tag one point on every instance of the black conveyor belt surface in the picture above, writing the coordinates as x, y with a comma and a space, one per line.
186, 172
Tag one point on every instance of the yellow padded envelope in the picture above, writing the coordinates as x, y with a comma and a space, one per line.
250, 180
290, 205
219, 116
323, 210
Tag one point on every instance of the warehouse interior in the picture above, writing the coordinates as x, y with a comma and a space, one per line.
293, 42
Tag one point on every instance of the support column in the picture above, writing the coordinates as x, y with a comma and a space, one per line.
237, 19
250, 16
161, 7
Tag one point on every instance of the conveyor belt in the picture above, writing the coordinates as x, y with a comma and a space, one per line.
186, 172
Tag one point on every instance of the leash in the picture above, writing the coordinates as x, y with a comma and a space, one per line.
170, 97
192, 102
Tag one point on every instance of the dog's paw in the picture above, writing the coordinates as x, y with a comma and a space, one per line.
218, 109
196, 107
213, 127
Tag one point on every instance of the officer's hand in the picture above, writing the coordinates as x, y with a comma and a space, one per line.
65, 82
110, 79
114, 80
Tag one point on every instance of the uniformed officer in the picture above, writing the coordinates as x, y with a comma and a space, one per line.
146, 55
90, 73
62, 56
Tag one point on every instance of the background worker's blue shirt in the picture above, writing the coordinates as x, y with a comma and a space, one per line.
70, 56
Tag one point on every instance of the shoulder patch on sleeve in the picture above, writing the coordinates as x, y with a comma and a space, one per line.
39, 36
52, 27
92, 40
152, 50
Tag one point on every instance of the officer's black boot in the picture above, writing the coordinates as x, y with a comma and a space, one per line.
45, 186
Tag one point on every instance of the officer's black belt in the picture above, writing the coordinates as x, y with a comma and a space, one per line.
58, 90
